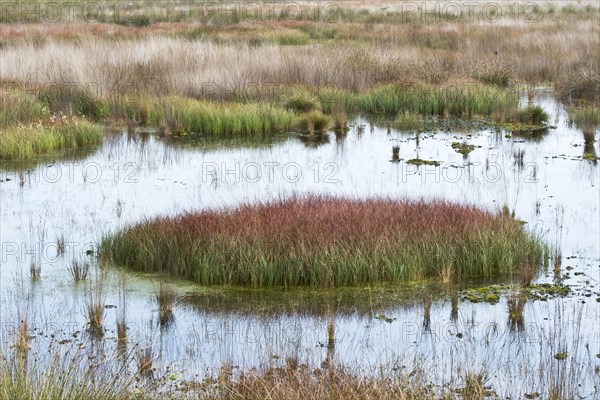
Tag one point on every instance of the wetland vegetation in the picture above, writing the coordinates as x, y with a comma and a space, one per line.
365, 274
327, 242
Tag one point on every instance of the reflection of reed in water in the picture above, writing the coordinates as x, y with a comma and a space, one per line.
516, 303
454, 305
589, 151
427, 312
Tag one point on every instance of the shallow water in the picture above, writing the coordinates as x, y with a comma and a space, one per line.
133, 177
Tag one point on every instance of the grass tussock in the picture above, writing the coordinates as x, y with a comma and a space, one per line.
60, 378
28, 142
320, 241
314, 122
79, 269
94, 307
533, 115
220, 119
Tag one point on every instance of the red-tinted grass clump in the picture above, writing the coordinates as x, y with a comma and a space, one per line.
324, 241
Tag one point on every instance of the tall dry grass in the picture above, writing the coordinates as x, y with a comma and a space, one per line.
356, 59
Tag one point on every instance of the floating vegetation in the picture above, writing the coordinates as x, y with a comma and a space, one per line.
312, 242
563, 355
463, 148
418, 162
492, 294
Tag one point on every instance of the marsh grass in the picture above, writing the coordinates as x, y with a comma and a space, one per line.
94, 307
28, 142
314, 241
295, 381
457, 100
79, 269
145, 360
585, 118
314, 122
407, 120
302, 101
65, 378
19, 107
494, 72
533, 115
22, 338
220, 119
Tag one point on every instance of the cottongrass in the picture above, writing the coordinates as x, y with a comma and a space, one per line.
324, 242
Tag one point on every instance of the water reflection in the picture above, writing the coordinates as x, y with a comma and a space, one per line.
138, 176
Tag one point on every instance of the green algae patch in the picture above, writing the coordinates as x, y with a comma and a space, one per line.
463, 148
492, 294
419, 161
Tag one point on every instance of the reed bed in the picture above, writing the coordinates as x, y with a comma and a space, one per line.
327, 242
28, 142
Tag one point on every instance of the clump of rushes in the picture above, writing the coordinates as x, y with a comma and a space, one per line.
323, 242
79, 269
302, 101
220, 119
95, 310
27, 142
314, 122
533, 115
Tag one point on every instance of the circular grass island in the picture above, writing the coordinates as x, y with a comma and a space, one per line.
319, 241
